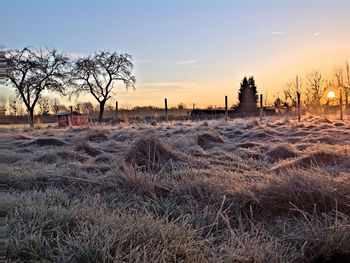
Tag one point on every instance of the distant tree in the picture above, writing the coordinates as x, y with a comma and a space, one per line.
77, 107
98, 75
32, 71
344, 84
13, 106
84, 107
126, 106
88, 107
44, 106
57, 107
20, 110
181, 106
210, 107
278, 103
317, 86
247, 95
293, 87
110, 107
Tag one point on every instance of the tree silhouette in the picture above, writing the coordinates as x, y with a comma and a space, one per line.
33, 71
99, 74
317, 87
247, 95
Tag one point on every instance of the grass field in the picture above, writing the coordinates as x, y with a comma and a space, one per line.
241, 191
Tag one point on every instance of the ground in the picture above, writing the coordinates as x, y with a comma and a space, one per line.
209, 191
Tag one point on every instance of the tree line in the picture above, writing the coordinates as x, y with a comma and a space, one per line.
314, 86
31, 71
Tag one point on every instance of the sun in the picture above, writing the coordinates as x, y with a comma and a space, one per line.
331, 95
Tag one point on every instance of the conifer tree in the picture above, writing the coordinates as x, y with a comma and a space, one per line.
247, 95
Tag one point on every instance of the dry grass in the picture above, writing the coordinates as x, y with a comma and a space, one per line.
151, 154
86, 148
241, 191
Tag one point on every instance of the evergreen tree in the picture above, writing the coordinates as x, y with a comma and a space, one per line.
247, 95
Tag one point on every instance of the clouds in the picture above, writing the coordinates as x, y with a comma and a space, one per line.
284, 33
279, 33
170, 62
153, 93
166, 86
186, 62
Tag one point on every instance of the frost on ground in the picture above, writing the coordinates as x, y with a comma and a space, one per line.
242, 191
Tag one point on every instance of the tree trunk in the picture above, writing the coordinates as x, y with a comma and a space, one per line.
102, 108
31, 117
346, 100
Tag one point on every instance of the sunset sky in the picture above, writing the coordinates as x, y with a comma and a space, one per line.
189, 50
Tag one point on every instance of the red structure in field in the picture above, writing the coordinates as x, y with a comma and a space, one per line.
74, 118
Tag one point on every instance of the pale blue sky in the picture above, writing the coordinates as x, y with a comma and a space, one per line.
194, 50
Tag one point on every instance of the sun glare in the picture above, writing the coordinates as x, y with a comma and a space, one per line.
331, 95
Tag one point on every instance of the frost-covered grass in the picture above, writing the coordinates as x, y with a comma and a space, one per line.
209, 191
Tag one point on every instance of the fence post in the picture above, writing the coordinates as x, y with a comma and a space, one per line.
226, 111
116, 111
299, 106
341, 104
261, 107
166, 109
71, 116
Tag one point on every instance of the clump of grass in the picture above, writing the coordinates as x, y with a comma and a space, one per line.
40, 231
97, 135
280, 152
10, 157
85, 147
47, 142
71, 155
309, 191
256, 245
252, 124
329, 161
208, 140
321, 237
47, 158
151, 154
21, 137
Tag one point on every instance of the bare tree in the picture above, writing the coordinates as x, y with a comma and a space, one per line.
343, 84
55, 105
44, 107
127, 107
347, 86
293, 87
32, 71
85, 107
98, 75
317, 86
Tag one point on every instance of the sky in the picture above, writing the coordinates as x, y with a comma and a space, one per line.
189, 51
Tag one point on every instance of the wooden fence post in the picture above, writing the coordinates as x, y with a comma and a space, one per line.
71, 116
341, 104
261, 107
299, 106
226, 111
116, 111
166, 109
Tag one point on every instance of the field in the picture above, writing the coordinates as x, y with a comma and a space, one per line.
208, 191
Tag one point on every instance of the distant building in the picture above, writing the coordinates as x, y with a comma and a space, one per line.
2, 111
67, 118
